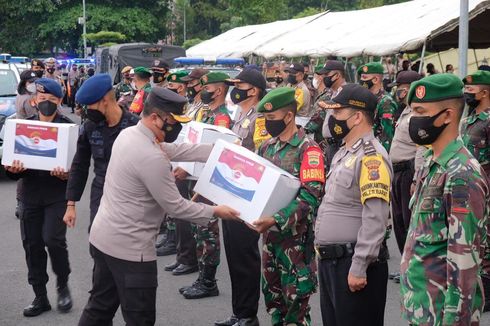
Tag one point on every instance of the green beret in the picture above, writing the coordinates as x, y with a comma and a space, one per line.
371, 68
317, 68
177, 76
480, 77
276, 99
214, 77
435, 88
142, 71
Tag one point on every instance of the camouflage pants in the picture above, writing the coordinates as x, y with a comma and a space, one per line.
170, 224
287, 282
207, 243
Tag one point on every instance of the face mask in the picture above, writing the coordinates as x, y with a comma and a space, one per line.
422, 130
191, 93
171, 131
207, 97
327, 81
31, 88
292, 79
174, 90
275, 127
158, 77
95, 115
305, 77
338, 128
367, 83
47, 108
315, 83
39, 73
279, 80
50, 70
239, 95
90, 73
470, 99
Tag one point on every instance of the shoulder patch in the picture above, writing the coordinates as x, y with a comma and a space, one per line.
312, 166
260, 133
222, 121
375, 178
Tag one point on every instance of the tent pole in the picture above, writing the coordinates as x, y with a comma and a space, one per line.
476, 58
440, 61
463, 38
422, 57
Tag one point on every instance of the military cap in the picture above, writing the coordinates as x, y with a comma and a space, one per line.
50, 61
435, 88
331, 65
177, 76
371, 68
195, 74
295, 68
277, 99
254, 67
49, 86
484, 67
214, 77
38, 63
164, 99
28, 76
126, 70
249, 76
142, 72
406, 77
160, 65
353, 96
94, 89
480, 77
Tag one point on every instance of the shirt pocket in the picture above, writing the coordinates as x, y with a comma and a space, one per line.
344, 182
431, 220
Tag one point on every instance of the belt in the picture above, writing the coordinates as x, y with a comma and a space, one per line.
402, 166
335, 251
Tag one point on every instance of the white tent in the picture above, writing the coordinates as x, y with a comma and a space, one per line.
376, 31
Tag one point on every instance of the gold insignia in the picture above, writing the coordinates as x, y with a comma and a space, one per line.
469, 79
337, 129
314, 159
268, 106
205, 79
365, 68
420, 92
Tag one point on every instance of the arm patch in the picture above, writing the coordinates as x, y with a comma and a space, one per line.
375, 178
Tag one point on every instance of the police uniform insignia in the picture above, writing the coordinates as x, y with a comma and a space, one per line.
365, 68
374, 181
373, 169
268, 106
337, 129
422, 133
40, 88
420, 92
246, 123
312, 166
222, 121
349, 163
260, 133
263, 132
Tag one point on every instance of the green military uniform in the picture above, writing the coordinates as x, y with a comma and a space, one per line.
441, 263
289, 271
139, 99
122, 87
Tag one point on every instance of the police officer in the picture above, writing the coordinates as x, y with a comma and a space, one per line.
141, 81
160, 71
241, 243
288, 266
105, 121
296, 73
25, 105
38, 67
193, 90
475, 130
353, 215
133, 205
440, 267
371, 77
43, 197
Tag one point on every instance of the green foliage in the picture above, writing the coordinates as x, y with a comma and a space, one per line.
308, 12
190, 43
105, 36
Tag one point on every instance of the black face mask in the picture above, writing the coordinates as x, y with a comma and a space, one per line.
191, 93
338, 128
90, 72
292, 79
367, 83
328, 82
95, 115
470, 99
422, 130
171, 131
39, 73
50, 70
279, 80
47, 108
305, 77
158, 77
239, 95
207, 97
275, 127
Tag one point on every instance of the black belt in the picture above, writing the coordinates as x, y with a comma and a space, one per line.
335, 251
402, 166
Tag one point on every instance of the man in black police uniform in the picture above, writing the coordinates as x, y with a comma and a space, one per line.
105, 121
41, 218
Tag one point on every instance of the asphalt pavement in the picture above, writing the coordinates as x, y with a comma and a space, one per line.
172, 308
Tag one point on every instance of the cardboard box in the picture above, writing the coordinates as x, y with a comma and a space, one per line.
40, 145
201, 133
239, 178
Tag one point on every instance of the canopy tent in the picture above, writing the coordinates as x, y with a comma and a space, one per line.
377, 31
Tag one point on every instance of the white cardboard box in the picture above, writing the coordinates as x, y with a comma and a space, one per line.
40, 145
202, 133
252, 185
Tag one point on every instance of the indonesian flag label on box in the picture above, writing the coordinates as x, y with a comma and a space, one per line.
36, 140
237, 174
193, 135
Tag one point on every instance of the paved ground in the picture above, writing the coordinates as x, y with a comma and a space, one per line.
172, 308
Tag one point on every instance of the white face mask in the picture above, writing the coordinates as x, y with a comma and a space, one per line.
31, 88
315, 83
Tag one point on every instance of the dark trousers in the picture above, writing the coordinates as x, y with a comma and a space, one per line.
243, 256
117, 282
340, 306
402, 181
186, 243
42, 226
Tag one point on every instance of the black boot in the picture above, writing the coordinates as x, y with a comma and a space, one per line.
206, 288
64, 299
37, 307
161, 238
169, 247
183, 289
230, 321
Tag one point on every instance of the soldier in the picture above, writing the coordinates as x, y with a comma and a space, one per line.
124, 86
160, 71
38, 67
331, 78
288, 264
142, 84
241, 243
193, 90
440, 266
214, 112
353, 215
384, 126
43, 197
296, 73
175, 82
475, 130
97, 135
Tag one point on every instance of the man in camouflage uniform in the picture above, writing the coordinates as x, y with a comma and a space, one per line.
384, 126
214, 112
441, 263
288, 264
124, 86
475, 130
142, 83
330, 80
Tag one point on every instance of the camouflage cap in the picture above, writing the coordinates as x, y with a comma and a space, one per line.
214, 77
371, 68
435, 88
177, 76
276, 99
480, 77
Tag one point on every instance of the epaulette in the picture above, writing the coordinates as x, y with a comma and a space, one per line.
369, 148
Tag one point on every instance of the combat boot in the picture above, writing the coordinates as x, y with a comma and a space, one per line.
206, 288
169, 247
183, 289
37, 307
